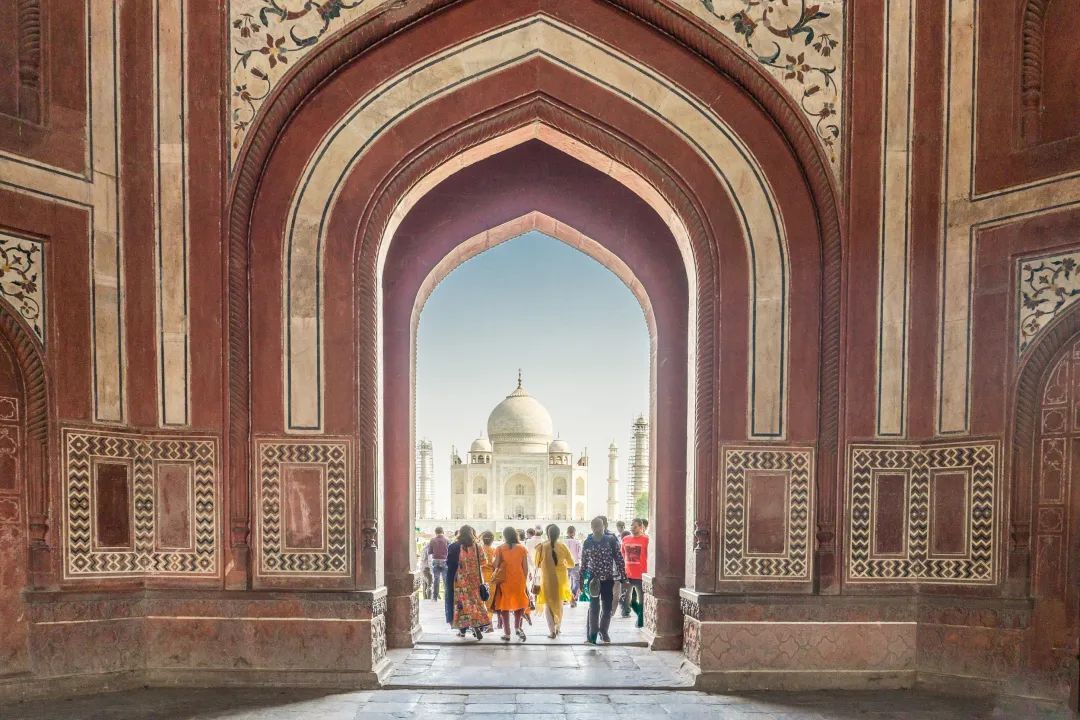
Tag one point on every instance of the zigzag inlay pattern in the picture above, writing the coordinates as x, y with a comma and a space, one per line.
82, 448
274, 559
797, 465
920, 463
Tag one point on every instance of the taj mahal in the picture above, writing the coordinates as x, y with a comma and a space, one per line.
519, 470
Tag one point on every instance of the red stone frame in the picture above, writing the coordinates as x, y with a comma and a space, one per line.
28, 359
621, 232
696, 57
1052, 642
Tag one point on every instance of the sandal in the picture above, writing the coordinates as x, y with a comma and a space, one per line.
506, 638
478, 633
521, 635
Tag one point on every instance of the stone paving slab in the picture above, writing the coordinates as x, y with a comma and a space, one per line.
437, 632
520, 665
449, 704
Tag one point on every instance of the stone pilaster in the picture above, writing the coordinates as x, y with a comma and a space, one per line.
663, 615
403, 610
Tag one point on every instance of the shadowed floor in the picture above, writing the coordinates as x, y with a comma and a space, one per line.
290, 704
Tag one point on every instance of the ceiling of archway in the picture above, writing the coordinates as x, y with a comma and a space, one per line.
800, 43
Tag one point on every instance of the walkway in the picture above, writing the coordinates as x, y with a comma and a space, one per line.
442, 659
622, 630
288, 704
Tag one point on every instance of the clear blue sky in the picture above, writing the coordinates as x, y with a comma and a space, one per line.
574, 329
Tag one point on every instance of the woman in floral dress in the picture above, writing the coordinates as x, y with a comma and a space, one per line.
469, 610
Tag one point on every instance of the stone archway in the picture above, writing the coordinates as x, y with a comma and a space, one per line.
519, 495
444, 228
1044, 503
361, 208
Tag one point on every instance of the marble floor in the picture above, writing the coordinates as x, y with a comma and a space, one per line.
448, 703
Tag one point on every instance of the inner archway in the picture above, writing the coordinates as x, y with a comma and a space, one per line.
472, 208
582, 337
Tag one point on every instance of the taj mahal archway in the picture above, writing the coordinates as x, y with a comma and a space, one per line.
520, 493
564, 199
708, 165
586, 343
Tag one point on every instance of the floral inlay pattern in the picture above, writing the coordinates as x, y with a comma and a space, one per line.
1046, 286
800, 43
269, 36
22, 279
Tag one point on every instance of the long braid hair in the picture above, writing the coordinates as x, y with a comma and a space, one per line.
553, 536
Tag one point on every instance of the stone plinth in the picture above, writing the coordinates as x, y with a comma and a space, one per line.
170, 637
853, 642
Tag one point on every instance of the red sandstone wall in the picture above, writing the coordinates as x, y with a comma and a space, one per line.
1017, 207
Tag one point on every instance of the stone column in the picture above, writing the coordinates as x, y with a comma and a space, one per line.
667, 504
398, 489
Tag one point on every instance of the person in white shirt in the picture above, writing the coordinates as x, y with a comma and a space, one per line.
575, 572
533, 538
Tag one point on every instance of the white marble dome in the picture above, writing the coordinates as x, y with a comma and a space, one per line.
522, 421
480, 444
559, 446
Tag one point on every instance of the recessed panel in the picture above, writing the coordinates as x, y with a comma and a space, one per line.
766, 513
949, 513
112, 505
890, 513
304, 506
173, 490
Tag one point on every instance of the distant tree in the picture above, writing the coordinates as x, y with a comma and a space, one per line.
641, 506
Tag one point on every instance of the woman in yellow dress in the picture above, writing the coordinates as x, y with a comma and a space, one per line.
553, 559
511, 573
488, 557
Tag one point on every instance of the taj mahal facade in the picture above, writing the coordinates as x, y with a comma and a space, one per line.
519, 471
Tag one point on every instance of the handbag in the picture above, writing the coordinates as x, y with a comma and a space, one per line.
484, 592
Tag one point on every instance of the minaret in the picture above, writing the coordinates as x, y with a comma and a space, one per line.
612, 483
424, 479
638, 483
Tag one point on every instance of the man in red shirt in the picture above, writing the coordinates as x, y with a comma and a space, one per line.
635, 551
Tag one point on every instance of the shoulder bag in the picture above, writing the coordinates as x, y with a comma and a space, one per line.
484, 592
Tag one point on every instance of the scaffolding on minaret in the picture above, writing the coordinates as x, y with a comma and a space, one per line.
637, 480
425, 478
612, 482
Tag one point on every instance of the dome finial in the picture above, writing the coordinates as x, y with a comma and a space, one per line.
519, 378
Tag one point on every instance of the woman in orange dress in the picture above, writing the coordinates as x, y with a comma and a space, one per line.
511, 575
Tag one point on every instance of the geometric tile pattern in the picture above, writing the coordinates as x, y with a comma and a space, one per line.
920, 463
274, 557
796, 465
82, 448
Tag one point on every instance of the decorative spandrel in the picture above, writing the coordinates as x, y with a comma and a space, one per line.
802, 46
1045, 287
800, 43
22, 279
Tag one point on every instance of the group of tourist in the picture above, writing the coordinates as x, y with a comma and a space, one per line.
533, 569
